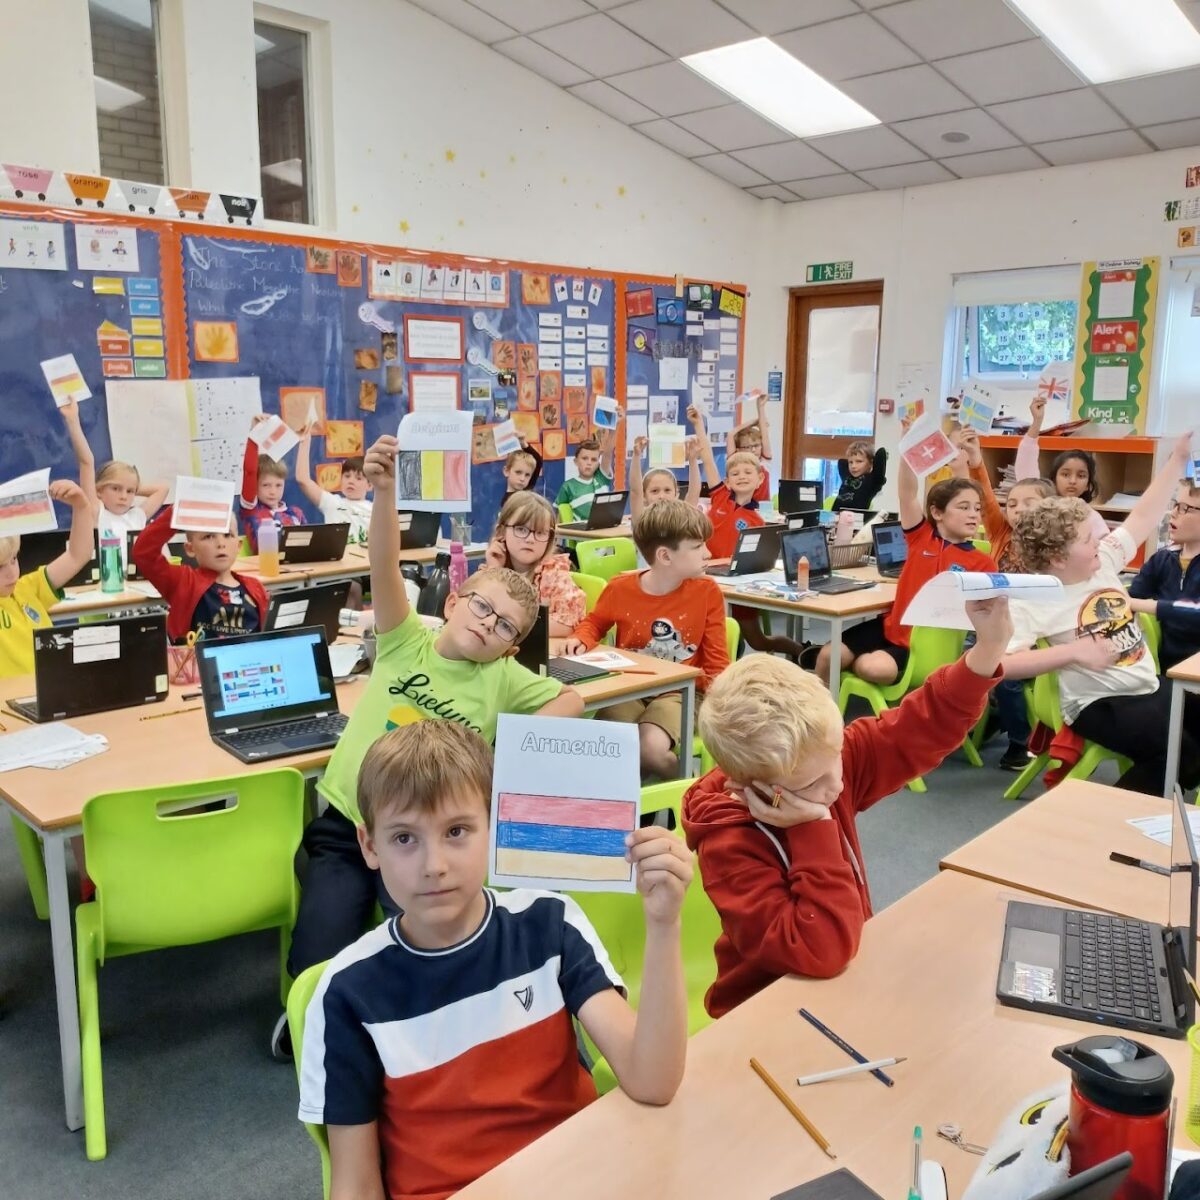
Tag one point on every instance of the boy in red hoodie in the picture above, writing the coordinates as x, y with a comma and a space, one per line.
774, 822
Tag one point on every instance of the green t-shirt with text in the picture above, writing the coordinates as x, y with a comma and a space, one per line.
578, 493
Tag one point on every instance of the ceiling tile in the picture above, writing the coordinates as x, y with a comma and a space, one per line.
545, 62
668, 134
1174, 135
730, 169
908, 175
1010, 72
778, 16
600, 45
1066, 115
788, 160
1157, 98
939, 28
732, 127
682, 26
983, 133
527, 15
876, 147
608, 100
772, 191
836, 50
908, 92
669, 89
995, 162
1121, 144
467, 18
829, 185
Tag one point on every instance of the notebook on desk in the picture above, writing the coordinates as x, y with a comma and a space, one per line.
607, 512
268, 695
313, 543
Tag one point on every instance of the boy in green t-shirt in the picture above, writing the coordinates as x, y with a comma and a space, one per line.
465, 672
594, 461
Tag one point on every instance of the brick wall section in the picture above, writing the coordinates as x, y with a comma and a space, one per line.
130, 140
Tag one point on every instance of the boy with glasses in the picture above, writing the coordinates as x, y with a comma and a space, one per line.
464, 672
1168, 585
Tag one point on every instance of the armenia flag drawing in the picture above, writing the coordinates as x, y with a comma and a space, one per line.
561, 837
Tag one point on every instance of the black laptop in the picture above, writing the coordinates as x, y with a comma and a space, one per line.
312, 543
1109, 970
800, 495
533, 654
41, 549
268, 695
81, 668
813, 545
757, 550
608, 511
418, 530
891, 548
320, 605
810, 519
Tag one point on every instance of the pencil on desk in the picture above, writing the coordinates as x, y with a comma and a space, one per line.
629, 671
173, 713
809, 1128
1191, 983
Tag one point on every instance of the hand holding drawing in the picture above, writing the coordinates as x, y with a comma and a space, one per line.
792, 809
993, 631
68, 492
639, 446
664, 871
379, 464
968, 440
697, 418
1037, 414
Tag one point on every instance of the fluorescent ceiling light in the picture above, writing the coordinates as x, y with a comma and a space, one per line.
766, 78
290, 170
1114, 39
112, 97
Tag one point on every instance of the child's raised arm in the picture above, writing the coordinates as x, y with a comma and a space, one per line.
1148, 511
692, 446
908, 488
636, 500
764, 426
85, 460
1026, 466
155, 495
78, 553
711, 474
608, 445
250, 466
312, 491
389, 597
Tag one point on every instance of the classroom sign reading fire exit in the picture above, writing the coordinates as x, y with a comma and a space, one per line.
834, 272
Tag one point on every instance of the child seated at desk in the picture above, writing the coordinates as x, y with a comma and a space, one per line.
594, 464
348, 506
25, 600
424, 1068
209, 599
774, 822
862, 473
262, 491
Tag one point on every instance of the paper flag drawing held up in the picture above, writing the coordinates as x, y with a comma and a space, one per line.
941, 603
565, 795
274, 437
433, 467
977, 410
605, 413
925, 447
507, 439
25, 504
668, 446
65, 379
203, 505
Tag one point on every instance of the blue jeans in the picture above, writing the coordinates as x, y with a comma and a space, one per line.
1010, 707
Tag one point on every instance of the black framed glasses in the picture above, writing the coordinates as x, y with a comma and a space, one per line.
1179, 507
503, 628
530, 535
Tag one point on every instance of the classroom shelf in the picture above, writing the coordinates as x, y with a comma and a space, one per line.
1125, 445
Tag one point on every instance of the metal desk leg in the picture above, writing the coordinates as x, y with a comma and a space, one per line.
55, 845
687, 725
1174, 738
835, 656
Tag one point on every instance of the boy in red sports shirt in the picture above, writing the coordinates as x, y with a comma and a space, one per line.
672, 611
774, 822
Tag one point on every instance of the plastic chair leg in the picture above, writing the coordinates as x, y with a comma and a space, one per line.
916, 785
971, 753
29, 850
285, 980
1016, 789
86, 929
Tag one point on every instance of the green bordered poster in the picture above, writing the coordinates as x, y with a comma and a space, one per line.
1113, 341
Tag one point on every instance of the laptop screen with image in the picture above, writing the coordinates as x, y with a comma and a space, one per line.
891, 547
1185, 875
805, 543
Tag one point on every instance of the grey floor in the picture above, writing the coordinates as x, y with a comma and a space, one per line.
196, 1109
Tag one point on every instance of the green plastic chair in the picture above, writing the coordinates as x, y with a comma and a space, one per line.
169, 873
606, 557
733, 639
1152, 631
928, 650
303, 988
982, 545
590, 585
29, 851
565, 513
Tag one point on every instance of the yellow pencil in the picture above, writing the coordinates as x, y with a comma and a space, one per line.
809, 1128
1191, 983
173, 713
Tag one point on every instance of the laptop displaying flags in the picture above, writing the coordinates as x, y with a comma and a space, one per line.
556, 837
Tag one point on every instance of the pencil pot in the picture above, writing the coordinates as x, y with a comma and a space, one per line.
1191, 1115
182, 667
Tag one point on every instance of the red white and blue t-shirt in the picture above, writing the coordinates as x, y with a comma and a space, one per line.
728, 519
462, 1055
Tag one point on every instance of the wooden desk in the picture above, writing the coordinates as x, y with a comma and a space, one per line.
157, 745
923, 985
566, 536
90, 600
833, 609
1184, 677
1058, 846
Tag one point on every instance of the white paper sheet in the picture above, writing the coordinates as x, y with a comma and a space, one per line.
106, 248
507, 438
148, 421
55, 743
667, 448
25, 504
941, 603
433, 392
221, 412
429, 339
344, 657
65, 379
609, 659
925, 447
565, 794
274, 436
433, 467
605, 412
1158, 829
203, 505
673, 374
32, 246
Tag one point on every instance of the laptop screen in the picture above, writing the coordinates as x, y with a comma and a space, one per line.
805, 543
610, 506
1182, 913
262, 678
891, 547
800, 495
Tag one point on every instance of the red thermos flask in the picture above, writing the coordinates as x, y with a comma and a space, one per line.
1120, 1100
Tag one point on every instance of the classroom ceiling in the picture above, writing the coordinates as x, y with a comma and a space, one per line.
963, 87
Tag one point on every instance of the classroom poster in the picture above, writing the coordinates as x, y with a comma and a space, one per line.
32, 245
1114, 341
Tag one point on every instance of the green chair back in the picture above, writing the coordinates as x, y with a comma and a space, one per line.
1153, 634
606, 557
983, 545
565, 513
590, 585
303, 988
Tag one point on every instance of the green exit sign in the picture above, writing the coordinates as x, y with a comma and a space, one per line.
836, 272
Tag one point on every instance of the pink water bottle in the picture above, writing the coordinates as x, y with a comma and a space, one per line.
458, 566
844, 529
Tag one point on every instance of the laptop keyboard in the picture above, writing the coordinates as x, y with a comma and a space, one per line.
566, 671
312, 727
1109, 966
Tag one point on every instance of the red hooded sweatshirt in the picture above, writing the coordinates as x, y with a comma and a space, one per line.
794, 901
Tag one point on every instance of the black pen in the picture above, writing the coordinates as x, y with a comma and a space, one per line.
1128, 860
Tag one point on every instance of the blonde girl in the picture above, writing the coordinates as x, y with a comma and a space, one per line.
659, 483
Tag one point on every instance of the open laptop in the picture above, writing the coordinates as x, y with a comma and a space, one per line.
418, 530
534, 655
268, 695
1109, 970
813, 545
41, 549
757, 550
83, 668
810, 519
312, 543
891, 548
608, 511
800, 495
321, 605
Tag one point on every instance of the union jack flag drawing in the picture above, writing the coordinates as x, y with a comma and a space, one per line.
1051, 387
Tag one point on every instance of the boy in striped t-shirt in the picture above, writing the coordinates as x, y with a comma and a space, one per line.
441, 1043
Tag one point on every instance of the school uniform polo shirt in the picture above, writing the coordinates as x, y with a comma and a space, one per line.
20, 614
728, 519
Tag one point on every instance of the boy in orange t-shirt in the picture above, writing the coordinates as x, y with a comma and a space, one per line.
672, 611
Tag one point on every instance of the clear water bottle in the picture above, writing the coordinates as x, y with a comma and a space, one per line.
458, 566
268, 548
112, 571
437, 587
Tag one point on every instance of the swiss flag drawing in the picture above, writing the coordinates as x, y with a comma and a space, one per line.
929, 453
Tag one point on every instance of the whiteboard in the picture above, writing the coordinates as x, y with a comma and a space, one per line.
149, 424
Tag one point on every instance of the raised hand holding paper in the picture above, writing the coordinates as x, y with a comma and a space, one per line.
274, 437
605, 413
203, 505
565, 795
25, 504
925, 447
506, 436
668, 445
941, 603
433, 465
65, 379
978, 408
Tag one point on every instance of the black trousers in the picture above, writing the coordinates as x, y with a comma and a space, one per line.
1136, 726
338, 892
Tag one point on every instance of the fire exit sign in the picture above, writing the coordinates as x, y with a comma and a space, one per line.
835, 272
